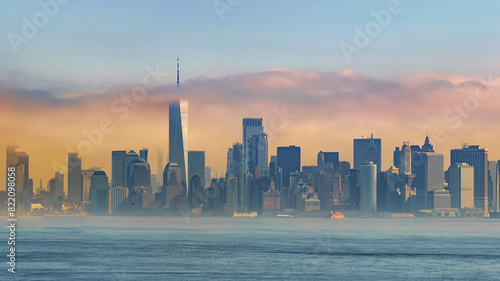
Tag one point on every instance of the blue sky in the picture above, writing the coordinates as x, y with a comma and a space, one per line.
92, 44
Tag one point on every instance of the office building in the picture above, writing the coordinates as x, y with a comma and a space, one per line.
461, 185
439, 199
493, 186
117, 199
402, 159
172, 184
368, 188
86, 182
117, 168
196, 166
143, 153
288, 159
74, 178
478, 158
429, 176
160, 167
235, 166
368, 150
98, 193
254, 146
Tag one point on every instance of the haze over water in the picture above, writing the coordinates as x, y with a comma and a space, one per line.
132, 248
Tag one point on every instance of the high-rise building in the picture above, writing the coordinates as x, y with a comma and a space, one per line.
438, 199
58, 187
253, 127
368, 150
402, 159
477, 157
235, 160
327, 157
172, 180
429, 176
86, 181
288, 159
178, 137
130, 157
139, 174
20, 160
196, 166
208, 177
461, 185
117, 199
368, 188
143, 153
257, 155
74, 177
427, 147
160, 167
98, 193
492, 186
117, 168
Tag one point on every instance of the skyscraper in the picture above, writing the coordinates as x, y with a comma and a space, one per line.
368, 188
117, 198
130, 157
143, 153
117, 167
20, 160
196, 166
234, 170
429, 176
492, 186
368, 150
477, 157
402, 159
58, 187
86, 181
178, 137
139, 174
98, 193
74, 177
461, 185
328, 157
288, 159
254, 146
160, 167
172, 187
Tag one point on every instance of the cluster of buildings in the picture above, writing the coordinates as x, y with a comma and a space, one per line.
255, 181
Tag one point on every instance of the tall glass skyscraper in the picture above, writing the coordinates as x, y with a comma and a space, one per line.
288, 159
368, 150
117, 168
178, 137
74, 177
477, 157
255, 146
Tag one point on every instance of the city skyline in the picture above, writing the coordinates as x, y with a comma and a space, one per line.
317, 100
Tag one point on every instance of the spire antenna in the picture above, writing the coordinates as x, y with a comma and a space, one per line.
177, 72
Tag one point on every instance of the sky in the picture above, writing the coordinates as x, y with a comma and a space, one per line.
319, 73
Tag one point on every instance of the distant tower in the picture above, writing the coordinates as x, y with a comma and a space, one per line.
178, 137
177, 72
368, 188
74, 177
